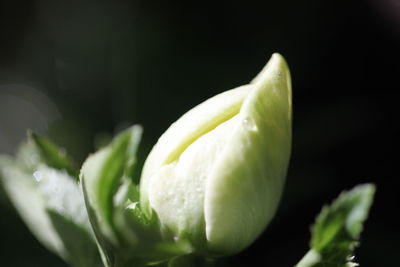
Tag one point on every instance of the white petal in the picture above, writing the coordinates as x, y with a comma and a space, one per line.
192, 125
244, 189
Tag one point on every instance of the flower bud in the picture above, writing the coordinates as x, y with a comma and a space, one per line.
215, 176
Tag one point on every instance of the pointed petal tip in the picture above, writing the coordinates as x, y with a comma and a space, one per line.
276, 63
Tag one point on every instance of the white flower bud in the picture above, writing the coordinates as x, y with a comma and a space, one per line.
216, 175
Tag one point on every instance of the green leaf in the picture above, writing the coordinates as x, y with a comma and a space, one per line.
21, 188
36, 150
28, 157
78, 242
51, 204
126, 236
337, 229
66, 210
54, 156
102, 175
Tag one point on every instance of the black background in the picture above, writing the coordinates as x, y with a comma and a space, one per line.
108, 64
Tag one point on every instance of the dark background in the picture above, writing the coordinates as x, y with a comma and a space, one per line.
79, 71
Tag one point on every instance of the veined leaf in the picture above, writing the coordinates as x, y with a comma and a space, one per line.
337, 229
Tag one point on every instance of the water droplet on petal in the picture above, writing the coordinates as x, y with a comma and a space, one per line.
38, 176
248, 123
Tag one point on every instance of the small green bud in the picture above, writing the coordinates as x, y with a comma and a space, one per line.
215, 177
